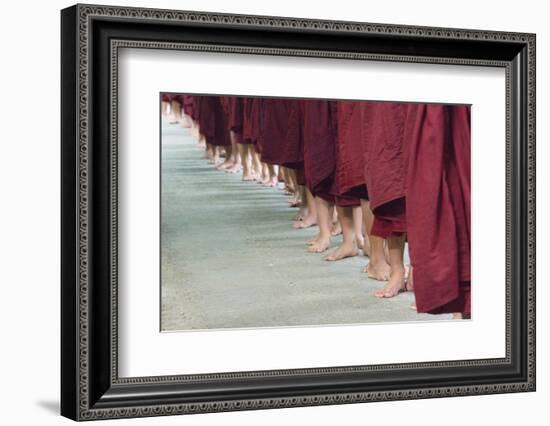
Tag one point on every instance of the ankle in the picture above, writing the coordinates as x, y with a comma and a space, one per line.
398, 271
377, 260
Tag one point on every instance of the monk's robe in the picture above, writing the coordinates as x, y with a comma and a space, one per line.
203, 115
224, 100
212, 121
188, 105
438, 206
178, 99
349, 180
247, 120
236, 116
319, 139
300, 175
385, 164
280, 132
251, 121
196, 107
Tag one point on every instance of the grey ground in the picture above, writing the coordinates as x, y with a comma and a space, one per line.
231, 259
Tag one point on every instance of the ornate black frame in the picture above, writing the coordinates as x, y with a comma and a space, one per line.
90, 386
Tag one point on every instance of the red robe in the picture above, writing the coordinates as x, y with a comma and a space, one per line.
212, 121
194, 112
247, 120
251, 121
349, 179
224, 100
188, 105
236, 115
319, 139
438, 206
280, 132
385, 164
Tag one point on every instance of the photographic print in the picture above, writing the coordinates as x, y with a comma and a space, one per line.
266, 212
281, 212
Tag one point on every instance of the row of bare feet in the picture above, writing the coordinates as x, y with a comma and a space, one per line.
397, 279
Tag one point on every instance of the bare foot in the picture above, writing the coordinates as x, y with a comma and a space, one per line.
294, 202
271, 183
319, 246
249, 176
306, 222
225, 165
313, 240
302, 213
378, 271
395, 285
236, 168
345, 250
336, 229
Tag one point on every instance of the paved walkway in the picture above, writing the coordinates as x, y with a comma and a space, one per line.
231, 259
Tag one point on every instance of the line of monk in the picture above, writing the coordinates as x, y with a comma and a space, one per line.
380, 173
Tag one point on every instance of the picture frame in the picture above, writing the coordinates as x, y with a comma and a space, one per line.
90, 385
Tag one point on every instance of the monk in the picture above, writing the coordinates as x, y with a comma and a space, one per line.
280, 137
236, 123
191, 111
319, 134
165, 100
251, 125
175, 109
186, 111
438, 207
349, 184
212, 126
307, 216
385, 165
232, 163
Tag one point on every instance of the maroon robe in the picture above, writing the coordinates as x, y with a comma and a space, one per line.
247, 120
236, 116
417, 168
300, 175
188, 105
319, 140
280, 132
212, 121
438, 206
385, 164
251, 121
224, 100
197, 101
166, 97
349, 179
